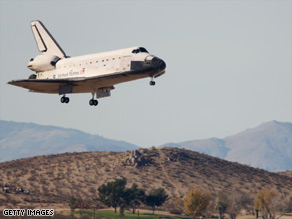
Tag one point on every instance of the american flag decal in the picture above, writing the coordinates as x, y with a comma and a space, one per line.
82, 71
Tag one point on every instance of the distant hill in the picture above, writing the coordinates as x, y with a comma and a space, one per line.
52, 179
20, 140
268, 146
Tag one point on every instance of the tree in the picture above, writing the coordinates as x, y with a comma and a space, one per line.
72, 203
284, 208
196, 201
266, 202
289, 206
156, 198
133, 197
111, 194
176, 206
235, 202
82, 204
232, 203
221, 206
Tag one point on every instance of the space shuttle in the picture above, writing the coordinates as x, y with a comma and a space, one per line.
57, 73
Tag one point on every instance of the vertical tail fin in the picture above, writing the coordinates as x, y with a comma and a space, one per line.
45, 41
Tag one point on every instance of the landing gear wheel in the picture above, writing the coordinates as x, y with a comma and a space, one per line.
63, 99
152, 83
93, 102
67, 99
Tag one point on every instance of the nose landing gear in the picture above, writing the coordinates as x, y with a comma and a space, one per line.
93, 102
65, 99
152, 82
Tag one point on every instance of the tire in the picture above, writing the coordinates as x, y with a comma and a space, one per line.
152, 83
63, 99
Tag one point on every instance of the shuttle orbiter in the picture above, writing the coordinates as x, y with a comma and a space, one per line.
97, 74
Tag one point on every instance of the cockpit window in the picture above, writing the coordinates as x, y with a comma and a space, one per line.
140, 49
135, 51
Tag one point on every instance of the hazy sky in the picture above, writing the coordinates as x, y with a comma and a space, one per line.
229, 66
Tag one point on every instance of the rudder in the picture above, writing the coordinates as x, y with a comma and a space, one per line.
45, 41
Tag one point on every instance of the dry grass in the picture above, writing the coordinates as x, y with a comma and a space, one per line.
53, 179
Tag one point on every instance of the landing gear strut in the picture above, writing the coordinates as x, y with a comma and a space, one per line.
65, 99
152, 82
93, 102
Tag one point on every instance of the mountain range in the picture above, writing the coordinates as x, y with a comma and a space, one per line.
21, 140
268, 146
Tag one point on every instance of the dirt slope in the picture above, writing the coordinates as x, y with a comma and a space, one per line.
53, 179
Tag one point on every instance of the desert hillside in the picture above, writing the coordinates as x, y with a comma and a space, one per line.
286, 173
52, 179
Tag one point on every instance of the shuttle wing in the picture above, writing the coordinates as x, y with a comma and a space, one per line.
41, 86
77, 85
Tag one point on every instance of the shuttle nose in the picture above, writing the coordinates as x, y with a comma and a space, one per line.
159, 63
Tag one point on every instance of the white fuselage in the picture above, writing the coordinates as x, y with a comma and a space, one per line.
113, 62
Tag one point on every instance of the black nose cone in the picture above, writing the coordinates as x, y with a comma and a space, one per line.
162, 65
158, 63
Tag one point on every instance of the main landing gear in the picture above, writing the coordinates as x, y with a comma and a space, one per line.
93, 102
65, 99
